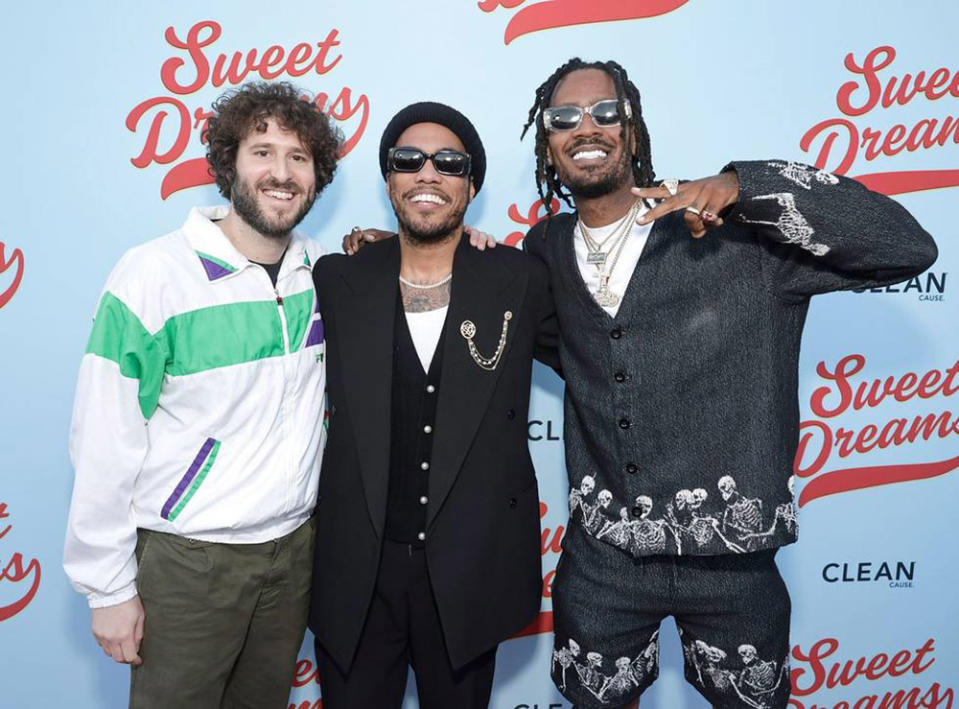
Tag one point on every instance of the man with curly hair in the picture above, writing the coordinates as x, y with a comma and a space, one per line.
197, 433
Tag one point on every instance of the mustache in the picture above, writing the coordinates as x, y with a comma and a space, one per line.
274, 184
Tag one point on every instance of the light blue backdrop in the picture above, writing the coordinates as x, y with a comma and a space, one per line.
720, 80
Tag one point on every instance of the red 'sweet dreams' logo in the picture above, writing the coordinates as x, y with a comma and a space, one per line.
167, 124
877, 87
844, 390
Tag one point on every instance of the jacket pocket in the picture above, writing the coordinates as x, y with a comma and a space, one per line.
191, 480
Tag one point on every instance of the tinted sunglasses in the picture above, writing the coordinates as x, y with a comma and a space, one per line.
604, 113
445, 162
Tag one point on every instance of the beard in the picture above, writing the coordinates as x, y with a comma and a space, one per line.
244, 198
600, 181
431, 230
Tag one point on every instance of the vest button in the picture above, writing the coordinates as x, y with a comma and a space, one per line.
632, 468
620, 377
616, 333
624, 423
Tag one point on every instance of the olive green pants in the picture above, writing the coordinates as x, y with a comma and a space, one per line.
224, 622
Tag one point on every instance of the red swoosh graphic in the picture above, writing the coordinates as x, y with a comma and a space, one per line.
859, 478
563, 13
543, 623
889, 183
15, 257
189, 173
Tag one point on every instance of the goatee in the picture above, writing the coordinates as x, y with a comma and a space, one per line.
248, 209
428, 231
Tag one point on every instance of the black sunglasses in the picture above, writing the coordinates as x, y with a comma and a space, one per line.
604, 113
445, 162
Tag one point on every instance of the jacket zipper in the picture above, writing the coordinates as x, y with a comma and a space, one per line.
283, 404
286, 334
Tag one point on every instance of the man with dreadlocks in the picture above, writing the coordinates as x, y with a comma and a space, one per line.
680, 357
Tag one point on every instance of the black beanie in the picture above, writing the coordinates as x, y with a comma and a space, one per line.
431, 112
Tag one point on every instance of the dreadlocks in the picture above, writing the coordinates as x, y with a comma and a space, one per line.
547, 181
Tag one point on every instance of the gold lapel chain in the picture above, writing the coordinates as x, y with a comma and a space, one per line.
468, 331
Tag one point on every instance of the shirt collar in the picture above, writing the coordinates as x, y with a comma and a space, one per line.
217, 254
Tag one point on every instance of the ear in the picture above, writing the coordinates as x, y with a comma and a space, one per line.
389, 186
549, 156
472, 191
631, 142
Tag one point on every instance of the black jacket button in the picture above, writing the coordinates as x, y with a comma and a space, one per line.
512, 502
511, 414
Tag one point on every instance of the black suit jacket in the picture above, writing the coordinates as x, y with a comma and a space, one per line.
483, 533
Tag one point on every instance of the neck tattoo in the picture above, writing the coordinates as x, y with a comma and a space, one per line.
423, 299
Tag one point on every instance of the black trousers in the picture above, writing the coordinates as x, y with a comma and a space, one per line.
402, 630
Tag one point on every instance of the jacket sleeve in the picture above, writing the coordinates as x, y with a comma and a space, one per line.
826, 232
547, 335
120, 378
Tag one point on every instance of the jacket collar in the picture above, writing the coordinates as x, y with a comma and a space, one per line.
218, 256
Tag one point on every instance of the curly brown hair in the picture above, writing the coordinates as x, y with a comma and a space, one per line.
247, 108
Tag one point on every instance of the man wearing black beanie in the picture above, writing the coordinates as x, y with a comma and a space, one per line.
427, 546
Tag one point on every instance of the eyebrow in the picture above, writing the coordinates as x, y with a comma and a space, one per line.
267, 144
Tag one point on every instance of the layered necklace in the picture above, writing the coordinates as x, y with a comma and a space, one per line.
598, 255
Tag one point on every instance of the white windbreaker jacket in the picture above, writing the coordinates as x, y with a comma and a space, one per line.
199, 407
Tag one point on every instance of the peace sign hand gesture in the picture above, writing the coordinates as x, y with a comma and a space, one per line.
702, 201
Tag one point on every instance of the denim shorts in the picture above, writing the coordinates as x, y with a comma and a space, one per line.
732, 612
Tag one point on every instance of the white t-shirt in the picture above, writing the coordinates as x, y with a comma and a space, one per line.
425, 329
632, 250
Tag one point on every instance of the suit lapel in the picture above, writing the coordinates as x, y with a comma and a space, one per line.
366, 322
481, 293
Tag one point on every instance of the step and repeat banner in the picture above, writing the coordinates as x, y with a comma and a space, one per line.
104, 108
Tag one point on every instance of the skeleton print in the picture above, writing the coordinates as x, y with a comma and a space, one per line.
786, 514
576, 496
693, 522
791, 223
692, 525
752, 680
629, 675
564, 657
743, 517
803, 175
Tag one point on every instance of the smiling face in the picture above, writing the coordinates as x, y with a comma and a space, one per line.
591, 161
429, 206
275, 183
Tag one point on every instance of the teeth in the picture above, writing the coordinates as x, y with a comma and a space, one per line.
426, 197
589, 154
279, 194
